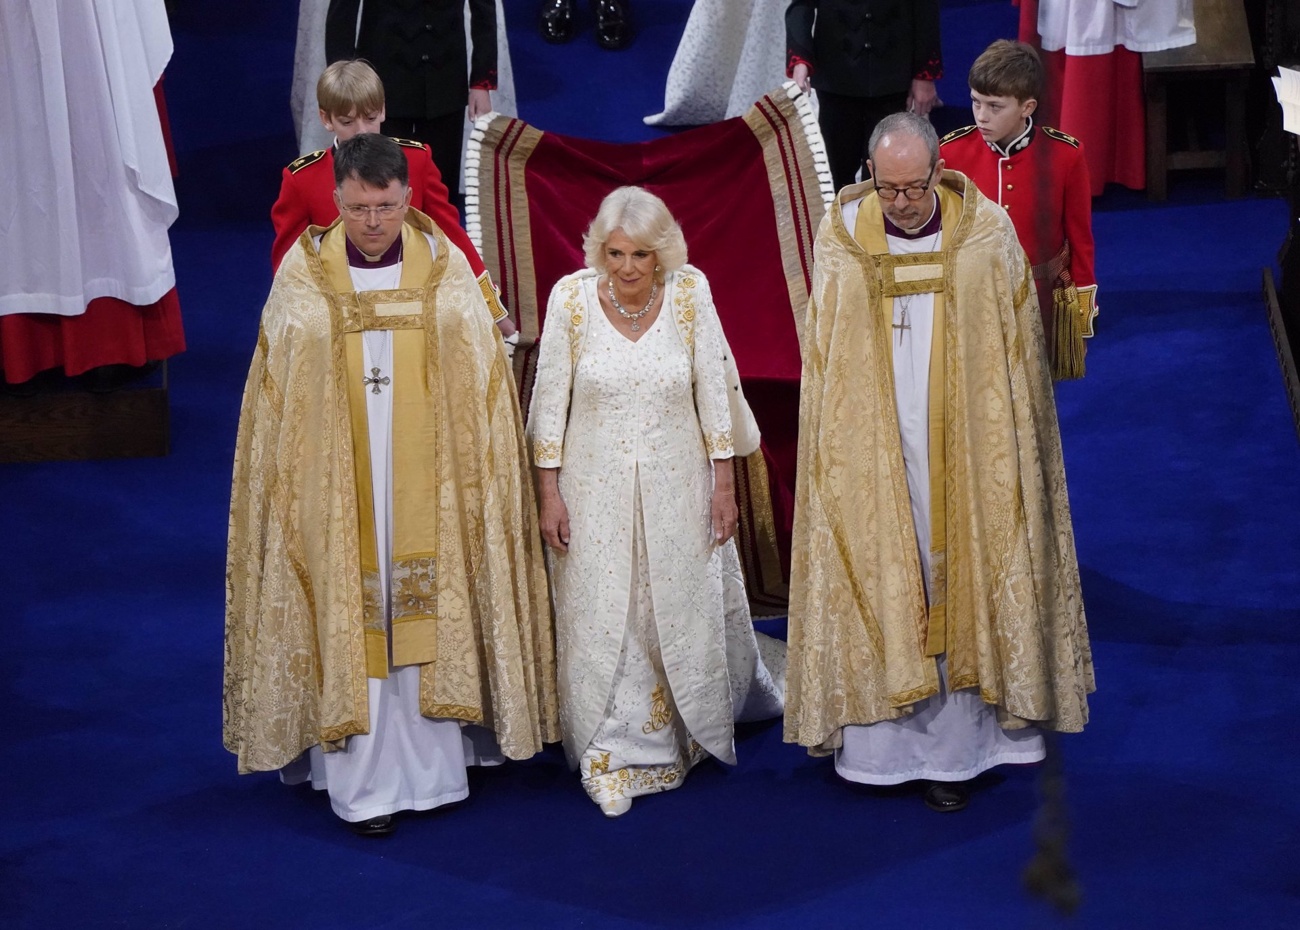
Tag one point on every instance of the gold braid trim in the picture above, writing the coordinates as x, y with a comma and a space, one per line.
490, 296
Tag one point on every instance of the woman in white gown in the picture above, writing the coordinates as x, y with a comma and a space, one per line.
632, 439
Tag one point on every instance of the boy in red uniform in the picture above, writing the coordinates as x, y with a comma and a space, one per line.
351, 100
1039, 176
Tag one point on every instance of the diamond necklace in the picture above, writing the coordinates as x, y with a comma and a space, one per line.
634, 317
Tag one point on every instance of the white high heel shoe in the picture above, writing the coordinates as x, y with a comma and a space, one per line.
616, 807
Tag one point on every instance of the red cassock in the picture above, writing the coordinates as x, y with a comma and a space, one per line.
1044, 189
1096, 98
307, 199
110, 332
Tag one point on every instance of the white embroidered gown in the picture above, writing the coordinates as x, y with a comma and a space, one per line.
657, 656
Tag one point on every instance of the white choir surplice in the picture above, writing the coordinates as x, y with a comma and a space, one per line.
657, 656
87, 187
1096, 27
407, 761
954, 735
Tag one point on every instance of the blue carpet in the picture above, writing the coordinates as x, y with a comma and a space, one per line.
122, 809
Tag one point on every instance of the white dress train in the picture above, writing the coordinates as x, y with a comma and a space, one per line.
731, 54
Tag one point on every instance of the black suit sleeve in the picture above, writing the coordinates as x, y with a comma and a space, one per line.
799, 19
341, 30
483, 43
927, 56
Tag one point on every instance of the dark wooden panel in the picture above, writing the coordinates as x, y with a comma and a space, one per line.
1222, 41
1222, 52
77, 425
1283, 341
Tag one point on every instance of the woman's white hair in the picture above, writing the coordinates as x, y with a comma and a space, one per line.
644, 219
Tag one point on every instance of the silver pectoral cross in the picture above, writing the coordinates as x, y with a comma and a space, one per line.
374, 381
901, 325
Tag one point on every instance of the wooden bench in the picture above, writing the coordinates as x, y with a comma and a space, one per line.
1222, 52
71, 425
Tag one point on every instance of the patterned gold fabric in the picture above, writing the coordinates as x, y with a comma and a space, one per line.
295, 667
1016, 626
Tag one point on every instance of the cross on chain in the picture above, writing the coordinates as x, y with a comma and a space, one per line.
901, 325
374, 381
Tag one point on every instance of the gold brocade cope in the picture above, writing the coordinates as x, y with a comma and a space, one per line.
469, 582
416, 432
903, 276
860, 628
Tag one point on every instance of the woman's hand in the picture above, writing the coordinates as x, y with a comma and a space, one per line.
724, 512
554, 515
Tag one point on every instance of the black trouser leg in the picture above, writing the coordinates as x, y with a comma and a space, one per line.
846, 124
443, 135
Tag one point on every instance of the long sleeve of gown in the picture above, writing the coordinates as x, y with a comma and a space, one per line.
710, 368
552, 388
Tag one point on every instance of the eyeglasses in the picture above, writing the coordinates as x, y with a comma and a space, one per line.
383, 211
911, 193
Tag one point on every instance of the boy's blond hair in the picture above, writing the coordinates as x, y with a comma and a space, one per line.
1008, 69
349, 88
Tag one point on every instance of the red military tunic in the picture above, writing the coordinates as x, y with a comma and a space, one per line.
307, 199
1042, 183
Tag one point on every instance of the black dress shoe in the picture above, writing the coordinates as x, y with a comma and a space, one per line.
947, 796
556, 20
613, 24
375, 826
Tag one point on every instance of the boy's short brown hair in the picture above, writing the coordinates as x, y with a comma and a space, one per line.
1008, 69
350, 87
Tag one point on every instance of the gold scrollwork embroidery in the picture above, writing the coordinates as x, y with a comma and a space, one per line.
414, 586
574, 308
544, 451
638, 780
685, 303
660, 714
718, 442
